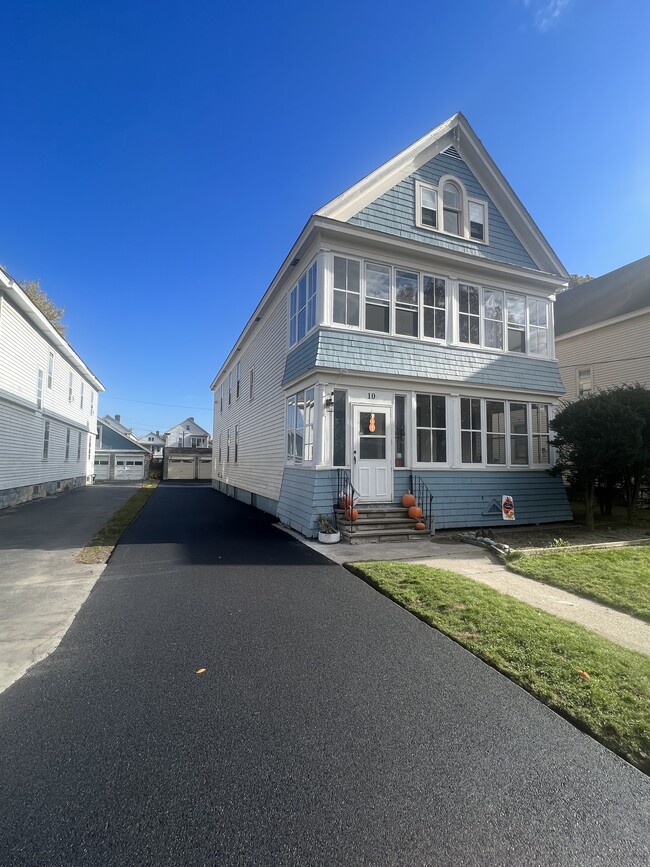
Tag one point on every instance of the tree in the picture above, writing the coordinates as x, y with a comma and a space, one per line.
54, 314
577, 280
605, 438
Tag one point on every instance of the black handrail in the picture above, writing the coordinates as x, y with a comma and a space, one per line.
346, 489
424, 499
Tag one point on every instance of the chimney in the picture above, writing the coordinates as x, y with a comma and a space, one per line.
191, 418
157, 433
117, 417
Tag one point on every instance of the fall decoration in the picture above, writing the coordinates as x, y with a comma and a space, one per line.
408, 500
415, 512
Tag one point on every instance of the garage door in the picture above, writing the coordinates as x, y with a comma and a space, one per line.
180, 468
205, 468
102, 469
129, 468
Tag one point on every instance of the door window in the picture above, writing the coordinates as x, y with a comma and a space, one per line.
372, 436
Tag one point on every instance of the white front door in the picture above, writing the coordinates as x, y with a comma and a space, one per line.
372, 460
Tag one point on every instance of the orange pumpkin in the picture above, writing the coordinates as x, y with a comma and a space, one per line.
420, 526
408, 500
415, 512
346, 501
351, 514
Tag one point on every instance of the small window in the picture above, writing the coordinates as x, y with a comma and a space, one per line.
228, 446
229, 388
50, 369
70, 387
92, 402
39, 390
250, 385
81, 395
238, 380
477, 221
236, 443
221, 398
67, 444
78, 446
584, 381
428, 207
46, 440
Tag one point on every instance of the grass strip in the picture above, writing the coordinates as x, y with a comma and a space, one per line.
600, 687
101, 546
619, 577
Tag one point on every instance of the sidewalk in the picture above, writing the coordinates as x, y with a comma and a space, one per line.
41, 587
475, 563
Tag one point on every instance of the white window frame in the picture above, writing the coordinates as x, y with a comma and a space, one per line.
67, 444
309, 280
46, 440
81, 394
39, 388
587, 368
78, 446
464, 212
416, 427
238, 380
508, 435
236, 455
304, 455
251, 383
70, 386
50, 369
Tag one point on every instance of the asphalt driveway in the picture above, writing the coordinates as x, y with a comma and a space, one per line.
329, 727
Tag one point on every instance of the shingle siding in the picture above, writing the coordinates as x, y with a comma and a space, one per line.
391, 356
394, 213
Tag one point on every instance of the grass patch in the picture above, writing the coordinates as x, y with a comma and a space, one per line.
101, 546
546, 656
619, 577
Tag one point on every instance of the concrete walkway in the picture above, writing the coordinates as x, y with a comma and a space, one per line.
41, 587
474, 562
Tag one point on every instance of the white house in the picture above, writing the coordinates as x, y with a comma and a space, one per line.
187, 434
154, 442
602, 331
48, 404
406, 343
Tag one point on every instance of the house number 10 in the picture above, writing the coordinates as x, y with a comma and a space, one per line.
371, 395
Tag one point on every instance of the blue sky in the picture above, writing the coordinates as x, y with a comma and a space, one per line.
158, 160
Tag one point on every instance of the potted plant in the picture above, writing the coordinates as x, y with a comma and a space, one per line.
326, 531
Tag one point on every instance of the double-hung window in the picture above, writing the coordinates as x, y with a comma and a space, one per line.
452, 206
584, 381
236, 443
470, 430
67, 443
469, 315
495, 427
300, 426
230, 388
78, 446
81, 395
50, 369
346, 287
70, 389
39, 390
434, 302
537, 327
429, 207
238, 380
407, 303
46, 440
540, 430
302, 305
516, 322
228, 446
518, 433
378, 280
431, 428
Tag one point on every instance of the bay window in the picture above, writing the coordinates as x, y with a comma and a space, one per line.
347, 287
470, 430
469, 319
378, 297
516, 322
509, 432
406, 303
495, 428
434, 302
300, 426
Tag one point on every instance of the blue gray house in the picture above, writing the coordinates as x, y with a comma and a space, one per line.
405, 343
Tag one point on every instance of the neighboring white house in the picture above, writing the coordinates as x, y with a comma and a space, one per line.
187, 434
118, 455
154, 442
602, 331
48, 404
406, 342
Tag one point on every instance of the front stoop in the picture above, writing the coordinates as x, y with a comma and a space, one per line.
378, 523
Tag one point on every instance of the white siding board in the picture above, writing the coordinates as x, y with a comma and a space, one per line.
618, 353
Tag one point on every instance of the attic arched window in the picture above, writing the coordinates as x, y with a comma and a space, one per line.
452, 206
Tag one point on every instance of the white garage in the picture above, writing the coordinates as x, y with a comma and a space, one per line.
180, 467
131, 467
205, 468
102, 468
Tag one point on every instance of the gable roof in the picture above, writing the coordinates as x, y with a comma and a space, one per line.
130, 442
194, 428
118, 427
157, 439
615, 294
455, 132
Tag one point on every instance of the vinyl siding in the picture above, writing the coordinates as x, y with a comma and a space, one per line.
391, 356
307, 493
618, 353
261, 420
23, 351
394, 213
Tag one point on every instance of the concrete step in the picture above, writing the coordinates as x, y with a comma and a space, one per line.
357, 536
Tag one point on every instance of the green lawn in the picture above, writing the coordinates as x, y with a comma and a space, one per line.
619, 577
602, 688
100, 548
